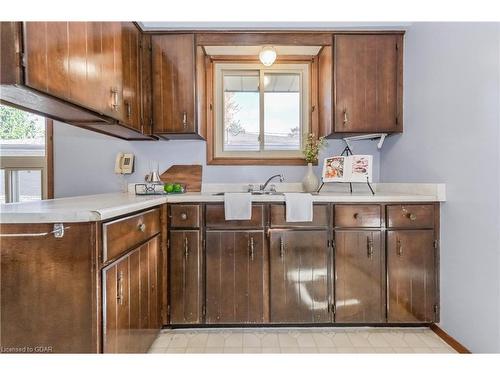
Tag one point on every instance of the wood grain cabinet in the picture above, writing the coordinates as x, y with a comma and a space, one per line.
186, 277
412, 284
131, 300
236, 277
367, 83
87, 74
174, 92
299, 276
359, 277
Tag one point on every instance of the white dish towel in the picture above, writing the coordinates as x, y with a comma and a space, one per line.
299, 207
238, 206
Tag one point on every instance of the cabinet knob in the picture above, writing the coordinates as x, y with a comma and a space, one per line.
356, 215
184, 216
142, 227
411, 216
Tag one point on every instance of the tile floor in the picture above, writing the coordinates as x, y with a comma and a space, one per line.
300, 340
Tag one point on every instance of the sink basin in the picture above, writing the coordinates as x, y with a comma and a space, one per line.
258, 193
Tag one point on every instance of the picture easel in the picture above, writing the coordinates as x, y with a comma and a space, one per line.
346, 152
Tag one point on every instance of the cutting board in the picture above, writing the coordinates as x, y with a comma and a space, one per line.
189, 175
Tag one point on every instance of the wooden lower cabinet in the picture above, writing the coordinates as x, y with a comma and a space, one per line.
411, 266
185, 262
299, 276
131, 294
236, 277
359, 277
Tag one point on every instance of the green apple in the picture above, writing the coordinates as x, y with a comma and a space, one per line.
168, 188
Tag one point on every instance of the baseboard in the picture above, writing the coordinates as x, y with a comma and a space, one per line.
449, 340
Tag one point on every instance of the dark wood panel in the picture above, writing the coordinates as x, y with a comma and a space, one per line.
215, 217
358, 215
367, 77
174, 84
128, 232
410, 216
35, 49
47, 288
135, 300
251, 39
299, 276
131, 75
321, 215
185, 275
359, 277
236, 274
411, 276
10, 53
185, 215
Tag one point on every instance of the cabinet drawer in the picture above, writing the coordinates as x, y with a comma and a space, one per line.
357, 215
410, 216
320, 217
215, 217
125, 233
185, 216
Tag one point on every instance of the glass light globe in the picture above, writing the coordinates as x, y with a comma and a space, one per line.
267, 56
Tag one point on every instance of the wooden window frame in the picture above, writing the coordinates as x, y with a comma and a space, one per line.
210, 62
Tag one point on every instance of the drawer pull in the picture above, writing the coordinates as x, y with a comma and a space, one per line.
141, 227
369, 247
411, 216
251, 244
184, 216
399, 248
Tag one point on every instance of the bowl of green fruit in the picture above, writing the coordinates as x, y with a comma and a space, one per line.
174, 188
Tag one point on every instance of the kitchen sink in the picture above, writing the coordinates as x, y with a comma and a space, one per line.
258, 193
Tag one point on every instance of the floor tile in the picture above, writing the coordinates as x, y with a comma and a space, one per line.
252, 349
195, 349
287, 340
233, 349
377, 340
272, 349
306, 340
290, 349
178, 341
358, 339
214, 349
346, 349
198, 339
251, 340
365, 349
322, 340
175, 350
233, 340
215, 340
308, 349
341, 339
270, 340
327, 349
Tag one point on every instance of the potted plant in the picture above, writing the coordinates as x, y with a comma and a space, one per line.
311, 151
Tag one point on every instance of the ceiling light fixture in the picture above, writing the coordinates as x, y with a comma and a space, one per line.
267, 55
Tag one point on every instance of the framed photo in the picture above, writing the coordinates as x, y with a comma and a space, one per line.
333, 169
353, 168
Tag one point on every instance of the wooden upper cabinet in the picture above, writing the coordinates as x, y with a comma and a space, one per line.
174, 107
368, 81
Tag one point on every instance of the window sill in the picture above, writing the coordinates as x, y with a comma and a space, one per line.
249, 161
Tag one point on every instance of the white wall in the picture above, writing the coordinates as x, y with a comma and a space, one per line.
84, 161
451, 135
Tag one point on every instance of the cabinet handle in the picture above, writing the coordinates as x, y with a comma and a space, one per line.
369, 247
184, 119
184, 216
119, 294
141, 227
345, 117
251, 248
114, 97
129, 110
399, 248
282, 247
186, 247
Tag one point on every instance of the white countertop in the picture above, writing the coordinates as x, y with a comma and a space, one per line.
106, 206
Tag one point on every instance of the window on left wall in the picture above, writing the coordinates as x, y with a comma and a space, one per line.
25, 156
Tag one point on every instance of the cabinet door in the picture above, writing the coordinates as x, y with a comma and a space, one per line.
131, 75
359, 277
299, 266
185, 277
368, 83
411, 276
174, 83
236, 277
112, 72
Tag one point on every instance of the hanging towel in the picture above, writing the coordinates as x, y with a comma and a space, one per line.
238, 206
299, 207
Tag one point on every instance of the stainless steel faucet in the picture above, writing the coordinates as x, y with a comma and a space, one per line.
263, 187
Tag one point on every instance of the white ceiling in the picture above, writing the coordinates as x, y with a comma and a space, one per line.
166, 26
254, 50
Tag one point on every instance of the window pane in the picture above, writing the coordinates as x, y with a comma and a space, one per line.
21, 133
2, 186
282, 111
241, 111
29, 185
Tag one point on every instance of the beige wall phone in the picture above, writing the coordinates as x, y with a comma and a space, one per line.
124, 163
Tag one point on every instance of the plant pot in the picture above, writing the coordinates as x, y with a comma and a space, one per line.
310, 182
